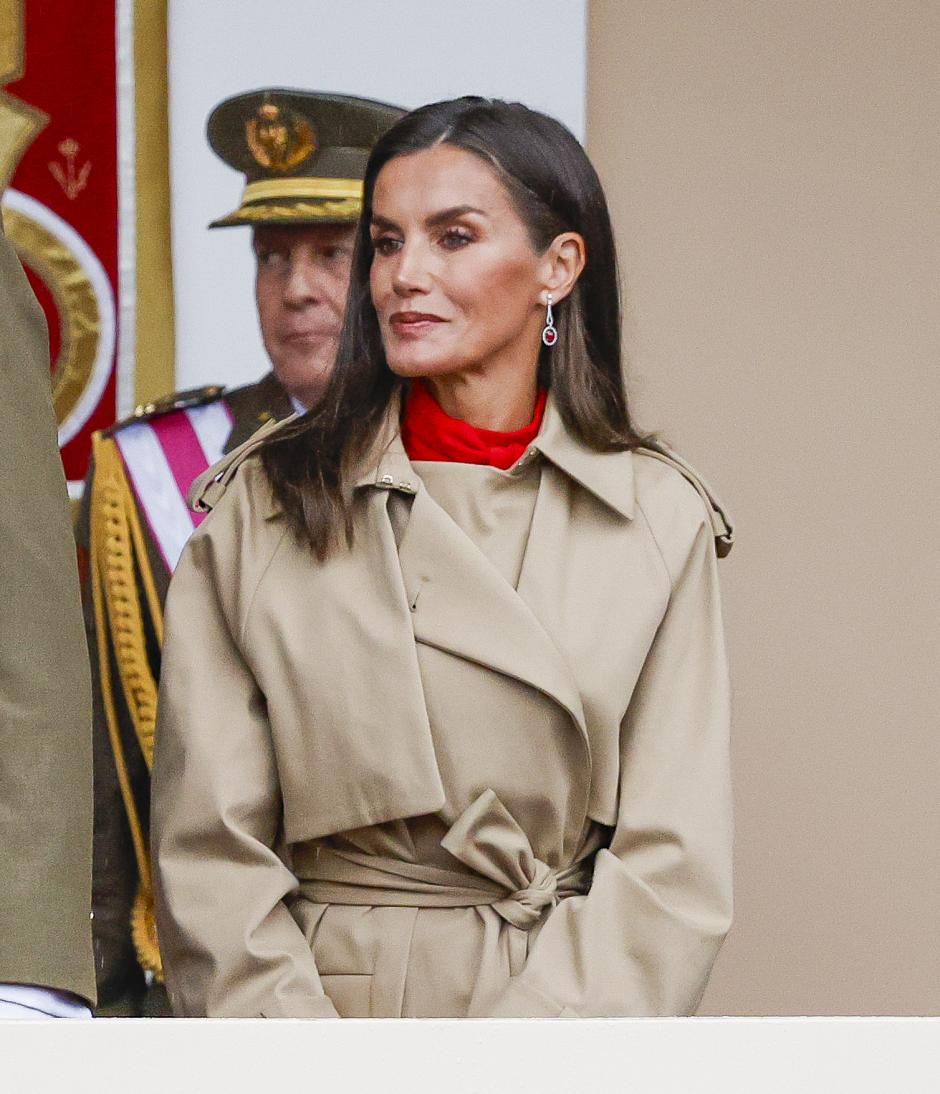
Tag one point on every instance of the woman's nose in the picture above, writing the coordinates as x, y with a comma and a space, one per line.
411, 269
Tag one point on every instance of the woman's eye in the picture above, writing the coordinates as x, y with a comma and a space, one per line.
386, 245
455, 238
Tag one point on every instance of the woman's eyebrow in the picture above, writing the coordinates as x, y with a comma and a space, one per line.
383, 222
433, 221
437, 219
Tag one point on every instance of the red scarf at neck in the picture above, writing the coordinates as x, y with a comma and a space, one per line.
429, 434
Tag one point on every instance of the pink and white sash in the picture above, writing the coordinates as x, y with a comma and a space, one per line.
162, 457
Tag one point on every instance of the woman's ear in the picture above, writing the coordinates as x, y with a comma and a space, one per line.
561, 266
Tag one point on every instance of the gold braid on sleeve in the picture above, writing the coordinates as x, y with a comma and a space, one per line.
118, 554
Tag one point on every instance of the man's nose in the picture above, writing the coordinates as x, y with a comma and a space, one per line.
305, 282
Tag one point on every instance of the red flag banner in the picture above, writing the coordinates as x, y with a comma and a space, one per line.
69, 161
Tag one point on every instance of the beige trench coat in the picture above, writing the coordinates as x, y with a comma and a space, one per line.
517, 728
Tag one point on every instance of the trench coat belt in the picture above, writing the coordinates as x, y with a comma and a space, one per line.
505, 875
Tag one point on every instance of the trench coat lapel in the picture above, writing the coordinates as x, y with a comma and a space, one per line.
550, 578
570, 471
461, 604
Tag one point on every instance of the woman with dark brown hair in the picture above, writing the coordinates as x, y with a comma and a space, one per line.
444, 706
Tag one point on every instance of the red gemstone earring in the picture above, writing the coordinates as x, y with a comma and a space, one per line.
549, 334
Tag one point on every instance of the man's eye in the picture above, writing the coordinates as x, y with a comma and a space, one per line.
269, 258
455, 238
337, 252
386, 245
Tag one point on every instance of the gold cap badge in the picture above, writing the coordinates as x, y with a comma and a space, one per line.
279, 140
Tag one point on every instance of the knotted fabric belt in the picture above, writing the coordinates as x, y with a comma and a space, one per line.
486, 837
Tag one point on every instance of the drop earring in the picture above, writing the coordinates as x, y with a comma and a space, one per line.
549, 334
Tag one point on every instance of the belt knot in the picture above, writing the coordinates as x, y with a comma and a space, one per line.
488, 839
524, 907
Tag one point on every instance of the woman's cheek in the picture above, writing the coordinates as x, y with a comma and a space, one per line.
378, 282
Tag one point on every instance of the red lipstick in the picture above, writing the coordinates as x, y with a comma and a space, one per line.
413, 322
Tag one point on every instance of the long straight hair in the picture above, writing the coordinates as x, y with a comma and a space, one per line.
554, 189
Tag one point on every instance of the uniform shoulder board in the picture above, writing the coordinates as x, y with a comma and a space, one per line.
176, 400
208, 488
721, 519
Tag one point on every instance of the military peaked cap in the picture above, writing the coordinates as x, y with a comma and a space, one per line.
303, 153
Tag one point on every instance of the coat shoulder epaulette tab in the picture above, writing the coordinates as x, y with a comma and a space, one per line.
722, 525
176, 400
208, 488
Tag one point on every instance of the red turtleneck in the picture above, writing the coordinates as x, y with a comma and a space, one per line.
430, 434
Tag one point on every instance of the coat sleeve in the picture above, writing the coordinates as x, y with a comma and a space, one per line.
230, 946
643, 940
45, 695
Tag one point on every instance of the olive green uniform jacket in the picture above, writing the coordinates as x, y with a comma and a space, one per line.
45, 700
125, 580
383, 782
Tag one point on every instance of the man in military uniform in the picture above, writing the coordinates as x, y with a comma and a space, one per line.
304, 156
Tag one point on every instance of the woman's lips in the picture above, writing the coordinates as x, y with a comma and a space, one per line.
413, 322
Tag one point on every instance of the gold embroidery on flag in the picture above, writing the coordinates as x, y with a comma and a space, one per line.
19, 122
75, 300
72, 178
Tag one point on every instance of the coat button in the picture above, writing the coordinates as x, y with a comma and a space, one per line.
387, 480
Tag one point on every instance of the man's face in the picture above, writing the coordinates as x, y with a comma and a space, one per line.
300, 286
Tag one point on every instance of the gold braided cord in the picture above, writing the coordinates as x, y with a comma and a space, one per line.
117, 560
146, 573
102, 500
144, 932
109, 543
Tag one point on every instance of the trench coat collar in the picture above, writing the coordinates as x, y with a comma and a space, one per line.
606, 475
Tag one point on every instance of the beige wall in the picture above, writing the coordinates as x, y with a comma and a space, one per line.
773, 171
